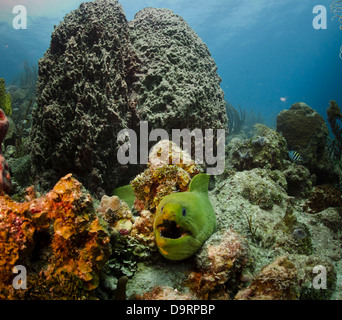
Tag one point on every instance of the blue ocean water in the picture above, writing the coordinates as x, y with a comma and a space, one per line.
268, 53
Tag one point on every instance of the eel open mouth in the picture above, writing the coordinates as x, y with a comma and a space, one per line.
171, 230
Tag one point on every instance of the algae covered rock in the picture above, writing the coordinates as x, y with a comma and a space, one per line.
179, 86
58, 238
309, 272
266, 149
306, 132
276, 281
84, 97
299, 182
331, 218
323, 197
303, 128
102, 74
221, 259
261, 187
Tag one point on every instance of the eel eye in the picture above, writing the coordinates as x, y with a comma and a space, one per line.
183, 212
162, 209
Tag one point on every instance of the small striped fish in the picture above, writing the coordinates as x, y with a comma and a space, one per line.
295, 156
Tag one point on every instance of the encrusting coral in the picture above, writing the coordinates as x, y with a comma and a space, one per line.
166, 293
323, 197
5, 179
116, 213
162, 177
58, 238
221, 258
266, 149
276, 281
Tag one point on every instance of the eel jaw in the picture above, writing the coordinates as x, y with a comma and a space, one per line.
169, 229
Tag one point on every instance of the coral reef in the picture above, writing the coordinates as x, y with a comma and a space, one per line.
5, 99
277, 220
291, 235
305, 277
162, 178
331, 218
116, 213
160, 274
58, 238
166, 293
266, 149
21, 172
267, 208
306, 132
179, 86
143, 227
261, 188
299, 181
75, 128
266, 246
221, 259
110, 75
276, 281
120, 293
323, 197
5, 179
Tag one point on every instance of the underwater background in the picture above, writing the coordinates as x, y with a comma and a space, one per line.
264, 50
79, 222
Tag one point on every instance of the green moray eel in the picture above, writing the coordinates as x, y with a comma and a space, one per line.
126, 194
184, 220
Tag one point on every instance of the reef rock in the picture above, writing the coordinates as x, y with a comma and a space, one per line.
58, 238
276, 281
101, 75
323, 197
306, 132
166, 293
116, 213
223, 256
179, 87
266, 149
84, 97
162, 178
